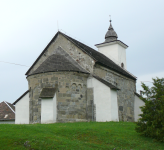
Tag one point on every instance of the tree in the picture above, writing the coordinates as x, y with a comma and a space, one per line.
151, 123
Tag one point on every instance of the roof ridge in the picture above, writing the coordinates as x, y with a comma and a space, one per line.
9, 106
77, 45
97, 53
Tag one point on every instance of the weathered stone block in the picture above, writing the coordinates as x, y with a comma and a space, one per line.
68, 95
60, 94
54, 78
36, 96
35, 118
45, 79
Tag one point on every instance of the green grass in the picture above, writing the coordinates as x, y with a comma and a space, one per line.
82, 136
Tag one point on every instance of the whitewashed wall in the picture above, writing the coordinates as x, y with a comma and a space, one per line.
114, 51
137, 104
22, 110
48, 110
122, 56
105, 100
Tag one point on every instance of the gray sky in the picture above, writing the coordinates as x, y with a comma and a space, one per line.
27, 27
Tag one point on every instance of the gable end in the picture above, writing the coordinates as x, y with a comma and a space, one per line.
53, 39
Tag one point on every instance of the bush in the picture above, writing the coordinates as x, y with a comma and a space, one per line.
151, 123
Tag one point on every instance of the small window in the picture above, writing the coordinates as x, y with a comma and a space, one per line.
122, 65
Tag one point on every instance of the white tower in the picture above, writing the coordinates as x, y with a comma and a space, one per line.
113, 48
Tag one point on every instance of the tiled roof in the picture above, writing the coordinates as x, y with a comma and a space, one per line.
106, 83
100, 58
60, 61
7, 111
21, 97
11, 105
97, 56
47, 93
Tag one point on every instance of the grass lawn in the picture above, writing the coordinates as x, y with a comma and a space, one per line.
83, 135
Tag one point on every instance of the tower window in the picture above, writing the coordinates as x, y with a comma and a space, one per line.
122, 65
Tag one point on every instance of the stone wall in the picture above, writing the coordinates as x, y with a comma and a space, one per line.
77, 54
125, 94
91, 107
71, 95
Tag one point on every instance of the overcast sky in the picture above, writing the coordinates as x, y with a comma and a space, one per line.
26, 27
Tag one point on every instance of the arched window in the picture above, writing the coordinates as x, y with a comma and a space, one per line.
122, 65
74, 86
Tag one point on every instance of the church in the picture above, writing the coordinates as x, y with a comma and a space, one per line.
71, 82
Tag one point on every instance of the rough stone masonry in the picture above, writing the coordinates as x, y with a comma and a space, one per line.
71, 95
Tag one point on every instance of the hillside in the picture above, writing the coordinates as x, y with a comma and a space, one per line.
85, 135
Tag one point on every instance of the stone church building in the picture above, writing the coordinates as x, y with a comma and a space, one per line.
70, 81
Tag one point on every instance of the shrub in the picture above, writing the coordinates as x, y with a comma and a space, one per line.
151, 123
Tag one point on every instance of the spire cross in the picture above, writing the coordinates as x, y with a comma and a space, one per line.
110, 18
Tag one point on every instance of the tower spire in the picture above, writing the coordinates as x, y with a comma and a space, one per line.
111, 35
